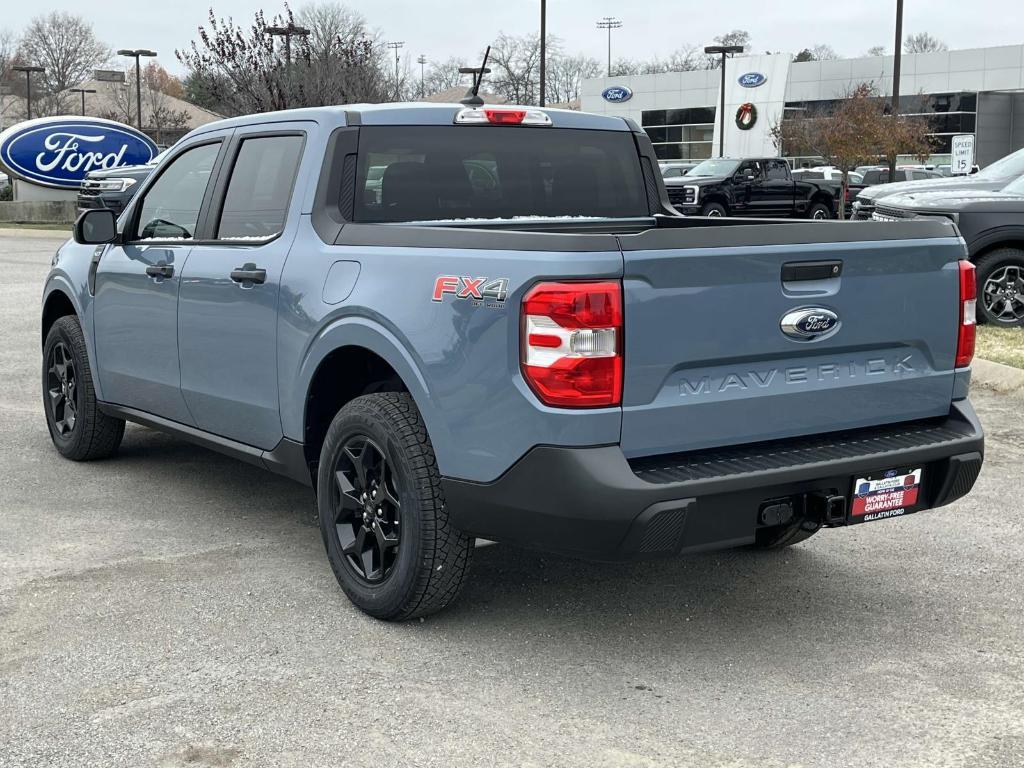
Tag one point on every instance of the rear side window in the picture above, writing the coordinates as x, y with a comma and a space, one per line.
260, 188
815, 175
777, 170
432, 173
876, 177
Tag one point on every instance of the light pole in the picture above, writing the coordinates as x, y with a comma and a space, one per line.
609, 23
422, 61
396, 46
725, 51
83, 91
28, 70
543, 52
897, 53
136, 53
287, 32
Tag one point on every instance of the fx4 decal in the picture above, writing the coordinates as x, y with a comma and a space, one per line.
476, 289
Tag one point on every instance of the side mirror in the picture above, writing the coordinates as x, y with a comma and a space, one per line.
749, 177
96, 227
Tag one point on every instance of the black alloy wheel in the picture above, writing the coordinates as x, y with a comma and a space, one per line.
62, 389
367, 510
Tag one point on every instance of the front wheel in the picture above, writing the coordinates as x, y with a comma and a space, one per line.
382, 511
1001, 287
819, 212
714, 210
79, 430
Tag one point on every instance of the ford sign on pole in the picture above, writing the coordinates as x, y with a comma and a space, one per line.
60, 151
616, 94
752, 79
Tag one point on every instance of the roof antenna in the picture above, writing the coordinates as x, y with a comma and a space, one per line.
472, 97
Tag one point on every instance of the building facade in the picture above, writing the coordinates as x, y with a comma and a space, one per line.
976, 91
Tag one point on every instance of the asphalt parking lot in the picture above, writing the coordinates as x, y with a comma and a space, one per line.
172, 607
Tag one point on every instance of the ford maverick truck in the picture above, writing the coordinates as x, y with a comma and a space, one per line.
460, 322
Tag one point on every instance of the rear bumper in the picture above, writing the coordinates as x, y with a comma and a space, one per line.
593, 503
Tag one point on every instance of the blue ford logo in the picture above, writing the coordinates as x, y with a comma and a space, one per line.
60, 151
616, 94
810, 323
752, 80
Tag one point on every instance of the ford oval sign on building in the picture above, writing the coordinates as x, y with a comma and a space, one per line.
60, 151
752, 79
616, 94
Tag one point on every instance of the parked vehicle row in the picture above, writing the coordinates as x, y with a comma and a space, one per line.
508, 363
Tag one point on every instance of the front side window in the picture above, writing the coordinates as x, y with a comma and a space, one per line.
170, 209
260, 188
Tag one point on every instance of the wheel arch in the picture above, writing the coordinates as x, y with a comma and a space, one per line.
56, 304
352, 358
985, 244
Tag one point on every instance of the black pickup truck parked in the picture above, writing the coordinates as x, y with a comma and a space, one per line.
762, 187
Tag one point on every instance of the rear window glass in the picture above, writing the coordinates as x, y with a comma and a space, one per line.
432, 173
260, 187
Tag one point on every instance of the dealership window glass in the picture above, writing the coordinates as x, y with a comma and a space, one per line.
436, 173
260, 188
170, 209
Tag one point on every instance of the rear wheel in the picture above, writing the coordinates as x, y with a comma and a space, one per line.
382, 512
1001, 287
79, 430
714, 210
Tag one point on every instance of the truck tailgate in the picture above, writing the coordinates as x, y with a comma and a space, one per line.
707, 363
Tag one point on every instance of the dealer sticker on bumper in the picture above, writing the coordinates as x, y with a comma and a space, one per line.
888, 494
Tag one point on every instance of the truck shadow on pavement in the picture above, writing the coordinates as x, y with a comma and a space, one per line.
825, 590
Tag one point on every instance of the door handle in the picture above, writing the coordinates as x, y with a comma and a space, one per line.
249, 273
160, 270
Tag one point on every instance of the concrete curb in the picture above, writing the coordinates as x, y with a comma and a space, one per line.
15, 231
996, 376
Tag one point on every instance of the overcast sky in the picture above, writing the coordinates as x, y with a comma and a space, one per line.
441, 28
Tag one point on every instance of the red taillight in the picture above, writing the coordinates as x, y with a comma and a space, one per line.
572, 343
505, 116
968, 303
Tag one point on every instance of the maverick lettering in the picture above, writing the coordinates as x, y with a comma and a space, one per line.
62, 151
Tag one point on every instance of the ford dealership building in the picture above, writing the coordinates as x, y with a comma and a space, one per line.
977, 91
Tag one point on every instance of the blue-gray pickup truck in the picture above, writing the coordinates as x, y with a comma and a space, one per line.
489, 322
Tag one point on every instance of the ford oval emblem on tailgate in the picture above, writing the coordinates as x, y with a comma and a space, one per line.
810, 323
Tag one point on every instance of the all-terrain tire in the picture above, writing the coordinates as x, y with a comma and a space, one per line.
431, 562
94, 434
713, 209
819, 212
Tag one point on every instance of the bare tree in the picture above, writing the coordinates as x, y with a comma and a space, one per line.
66, 45
246, 70
516, 64
624, 67
565, 75
817, 53
8, 95
857, 131
876, 50
922, 42
347, 61
444, 75
736, 37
